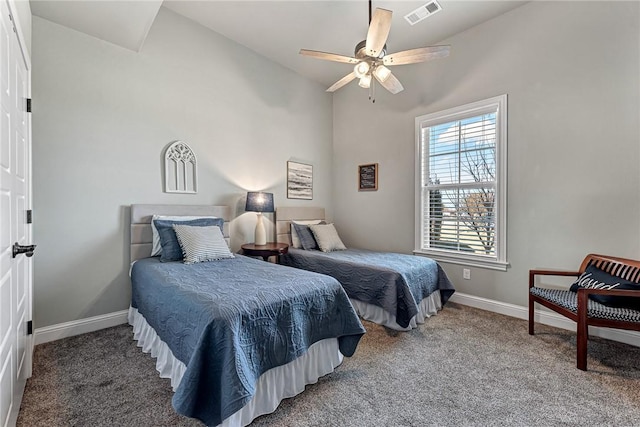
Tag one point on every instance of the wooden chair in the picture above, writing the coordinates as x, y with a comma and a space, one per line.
584, 311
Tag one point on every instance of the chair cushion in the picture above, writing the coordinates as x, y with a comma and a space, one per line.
569, 300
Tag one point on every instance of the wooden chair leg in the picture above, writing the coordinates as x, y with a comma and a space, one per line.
531, 313
532, 279
582, 331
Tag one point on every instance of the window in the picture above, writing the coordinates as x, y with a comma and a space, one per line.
461, 171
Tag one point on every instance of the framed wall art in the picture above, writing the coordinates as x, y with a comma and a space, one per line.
368, 177
299, 181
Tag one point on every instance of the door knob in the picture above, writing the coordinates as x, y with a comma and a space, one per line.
19, 249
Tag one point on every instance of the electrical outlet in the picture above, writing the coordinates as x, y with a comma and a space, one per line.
466, 274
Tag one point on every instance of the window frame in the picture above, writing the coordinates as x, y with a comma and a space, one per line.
497, 104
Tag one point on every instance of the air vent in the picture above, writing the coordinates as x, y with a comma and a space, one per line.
423, 12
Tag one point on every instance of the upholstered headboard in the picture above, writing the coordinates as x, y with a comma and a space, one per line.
286, 214
141, 234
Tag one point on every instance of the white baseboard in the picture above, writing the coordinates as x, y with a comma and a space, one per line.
82, 326
545, 317
77, 327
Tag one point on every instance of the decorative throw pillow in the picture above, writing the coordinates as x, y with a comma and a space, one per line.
327, 237
593, 277
200, 244
295, 240
307, 241
171, 250
156, 248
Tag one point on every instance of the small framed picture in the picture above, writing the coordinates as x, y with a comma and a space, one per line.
368, 177
299, 181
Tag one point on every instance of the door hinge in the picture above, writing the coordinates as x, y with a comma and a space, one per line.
28, 105
29, 216
30, 327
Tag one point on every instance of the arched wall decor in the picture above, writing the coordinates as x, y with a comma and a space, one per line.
180, 169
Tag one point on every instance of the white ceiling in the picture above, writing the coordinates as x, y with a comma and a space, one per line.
123, 22
277, 29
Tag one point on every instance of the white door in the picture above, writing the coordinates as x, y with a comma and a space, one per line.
15, 198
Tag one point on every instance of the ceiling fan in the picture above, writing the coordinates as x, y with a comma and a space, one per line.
371, 59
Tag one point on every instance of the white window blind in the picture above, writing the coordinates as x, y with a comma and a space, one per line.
461, 158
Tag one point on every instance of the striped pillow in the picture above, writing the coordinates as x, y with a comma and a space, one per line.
157, 244
171, 250
200, 244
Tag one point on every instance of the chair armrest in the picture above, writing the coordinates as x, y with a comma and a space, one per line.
610, 292
534, 273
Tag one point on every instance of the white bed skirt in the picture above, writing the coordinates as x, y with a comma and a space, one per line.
273, 386
427, 308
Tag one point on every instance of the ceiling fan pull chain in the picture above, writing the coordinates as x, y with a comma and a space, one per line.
372, 92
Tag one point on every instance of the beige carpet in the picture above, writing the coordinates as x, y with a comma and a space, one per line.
464, 367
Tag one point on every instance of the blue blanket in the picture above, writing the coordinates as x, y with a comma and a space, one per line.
395, 282
231, 320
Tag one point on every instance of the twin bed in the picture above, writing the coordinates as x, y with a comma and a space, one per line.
237, 335
394, 290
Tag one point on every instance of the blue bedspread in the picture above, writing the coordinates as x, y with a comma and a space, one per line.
395, 282
231, 320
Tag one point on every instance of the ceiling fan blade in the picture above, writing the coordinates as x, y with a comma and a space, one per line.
378, 32
343, 81
391, 83
328, 56
413, 56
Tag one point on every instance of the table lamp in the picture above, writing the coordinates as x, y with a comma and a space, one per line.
257, 201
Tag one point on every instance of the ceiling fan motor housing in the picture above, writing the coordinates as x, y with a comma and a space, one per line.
360, 48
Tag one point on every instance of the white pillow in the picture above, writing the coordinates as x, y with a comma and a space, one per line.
156, 248
327, 237
200, 244
295, 240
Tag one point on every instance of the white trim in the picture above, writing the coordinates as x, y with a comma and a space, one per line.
21, 39
470, 261
497, 105
545, 317
77, 327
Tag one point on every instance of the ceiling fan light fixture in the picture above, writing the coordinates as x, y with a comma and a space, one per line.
365, 81
382, 73
361, 69
370, 55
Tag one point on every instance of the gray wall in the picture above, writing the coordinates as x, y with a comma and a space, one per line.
571, 74
102, 116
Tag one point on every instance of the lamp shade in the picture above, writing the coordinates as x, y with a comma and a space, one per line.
382, 73
257, 201
361, 69
365, 81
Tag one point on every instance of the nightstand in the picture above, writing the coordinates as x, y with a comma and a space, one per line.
265, 251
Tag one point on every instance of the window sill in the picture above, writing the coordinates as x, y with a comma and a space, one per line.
464, 260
